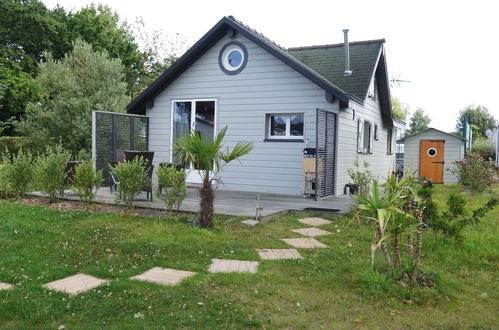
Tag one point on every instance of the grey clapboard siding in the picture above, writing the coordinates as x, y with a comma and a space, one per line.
453, 151
380, 163
266, 85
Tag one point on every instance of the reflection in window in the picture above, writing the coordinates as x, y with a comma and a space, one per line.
285, 126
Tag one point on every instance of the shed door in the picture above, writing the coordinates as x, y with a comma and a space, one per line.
431, 160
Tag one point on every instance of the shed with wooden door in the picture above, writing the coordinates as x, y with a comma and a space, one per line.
432, 154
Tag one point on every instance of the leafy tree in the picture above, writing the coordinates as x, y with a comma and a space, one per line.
27, 29
84, 80
209, 158
478, 116
399, 110
419, 122
101, 27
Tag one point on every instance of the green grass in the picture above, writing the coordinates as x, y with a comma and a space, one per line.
331, 288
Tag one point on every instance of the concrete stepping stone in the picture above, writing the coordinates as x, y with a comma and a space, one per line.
5, 286
164, 276
233, 266
314, 221
75, 284
275, 254
304, 243
311, 231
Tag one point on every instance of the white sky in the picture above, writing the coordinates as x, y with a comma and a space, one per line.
449, 50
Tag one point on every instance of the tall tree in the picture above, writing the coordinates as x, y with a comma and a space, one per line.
478, 116
84, 80
27, 29
419, 122
399, 109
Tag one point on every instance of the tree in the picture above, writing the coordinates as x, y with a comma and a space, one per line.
209, 158
419, 122
101, 27
478, 116
399, 110
27, 29
84, 80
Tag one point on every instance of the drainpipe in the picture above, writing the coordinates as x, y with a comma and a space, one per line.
347, 72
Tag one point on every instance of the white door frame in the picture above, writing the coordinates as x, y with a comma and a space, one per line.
193, 176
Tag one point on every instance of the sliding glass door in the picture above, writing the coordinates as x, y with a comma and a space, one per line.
188, 116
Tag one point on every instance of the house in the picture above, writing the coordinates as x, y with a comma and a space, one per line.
333, 100
432, 154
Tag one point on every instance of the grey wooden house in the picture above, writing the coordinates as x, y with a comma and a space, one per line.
331, 100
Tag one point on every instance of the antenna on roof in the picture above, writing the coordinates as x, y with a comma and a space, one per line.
395, 81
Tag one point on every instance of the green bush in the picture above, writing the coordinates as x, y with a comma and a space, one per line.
35, 145
174, 186
132, 177
49, 171
4, 191
17, 173
86, 179
476, 173
362, 178
485, 148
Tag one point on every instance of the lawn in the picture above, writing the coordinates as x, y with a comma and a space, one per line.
325, 289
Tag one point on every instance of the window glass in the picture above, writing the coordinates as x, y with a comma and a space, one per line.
235, 58
296, 125
367, 136
277, 125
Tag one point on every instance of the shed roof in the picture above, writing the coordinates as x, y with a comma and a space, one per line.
433, 129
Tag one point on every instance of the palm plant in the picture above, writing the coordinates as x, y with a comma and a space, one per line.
208, 157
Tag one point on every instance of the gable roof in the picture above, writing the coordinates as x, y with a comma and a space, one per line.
329, 60
301, 60
433, 129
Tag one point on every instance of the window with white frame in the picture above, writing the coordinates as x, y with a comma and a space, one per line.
285, 126
389, 141
365, 136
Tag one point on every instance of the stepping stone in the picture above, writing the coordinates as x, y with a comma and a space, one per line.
311, 231
232, 266
164, 276
304, 243
5, 286
275, 254
75, 284
314, 221
250, 222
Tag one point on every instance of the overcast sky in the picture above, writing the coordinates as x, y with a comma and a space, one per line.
449, 50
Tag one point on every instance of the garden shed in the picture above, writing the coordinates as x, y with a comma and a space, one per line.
432, 154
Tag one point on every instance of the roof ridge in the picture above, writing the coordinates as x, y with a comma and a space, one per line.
257, 32
352, 43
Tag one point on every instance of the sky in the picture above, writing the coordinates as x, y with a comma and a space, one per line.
448, 50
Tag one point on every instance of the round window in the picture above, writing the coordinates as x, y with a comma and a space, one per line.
233, 57
432, 152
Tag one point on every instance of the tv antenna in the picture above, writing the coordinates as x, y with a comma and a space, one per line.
395, 81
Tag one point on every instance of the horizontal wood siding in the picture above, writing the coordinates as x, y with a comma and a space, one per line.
266, 85
453, 151
380, 163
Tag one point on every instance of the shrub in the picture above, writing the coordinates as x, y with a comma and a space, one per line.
476, 173
49, 171
174, 186
132, 176
17, 173
363, 179
485, 148
35, 145
4, 193
86, 179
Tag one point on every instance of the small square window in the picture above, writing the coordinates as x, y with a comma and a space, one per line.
285, 126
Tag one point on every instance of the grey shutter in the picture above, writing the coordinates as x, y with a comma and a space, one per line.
371, 137
360, 136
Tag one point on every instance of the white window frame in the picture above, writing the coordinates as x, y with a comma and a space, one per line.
193, 117
389, 141
362, 148
288, 135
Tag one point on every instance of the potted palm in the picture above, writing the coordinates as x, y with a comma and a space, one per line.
208, 157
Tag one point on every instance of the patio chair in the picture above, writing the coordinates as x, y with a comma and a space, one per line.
120, 157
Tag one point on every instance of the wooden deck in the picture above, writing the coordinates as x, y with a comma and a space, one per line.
236, 203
